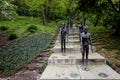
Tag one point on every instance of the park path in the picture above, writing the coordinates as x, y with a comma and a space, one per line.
68, 66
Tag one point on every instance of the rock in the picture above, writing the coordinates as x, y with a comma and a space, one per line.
34, 66
41, 59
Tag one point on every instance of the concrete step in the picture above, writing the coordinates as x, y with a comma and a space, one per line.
70, 48
68, 66
75, 33
73, 30
74, 41
73, 36
58, 50
75, 72
70, 40
68, 45
74, 58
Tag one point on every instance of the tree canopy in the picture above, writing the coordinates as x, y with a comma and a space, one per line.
104, 12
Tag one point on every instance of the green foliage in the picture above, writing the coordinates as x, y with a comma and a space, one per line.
106, 12
21, 24
118, 55
12, 36
23, 8
54, 8
32, 28
15, 55
3, 28
7, 11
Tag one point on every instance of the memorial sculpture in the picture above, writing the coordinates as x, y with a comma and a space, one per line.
63, 38
85, 41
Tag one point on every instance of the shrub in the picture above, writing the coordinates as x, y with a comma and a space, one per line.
7, 10
3, 28
32, 28
12, 36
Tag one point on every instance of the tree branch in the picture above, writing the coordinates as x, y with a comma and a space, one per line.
113, 6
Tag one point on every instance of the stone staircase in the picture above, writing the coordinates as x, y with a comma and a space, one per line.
67, 66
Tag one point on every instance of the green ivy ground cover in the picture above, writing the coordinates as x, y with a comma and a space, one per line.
16, 54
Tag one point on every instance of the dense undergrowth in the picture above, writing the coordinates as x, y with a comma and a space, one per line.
29, 42
107, 44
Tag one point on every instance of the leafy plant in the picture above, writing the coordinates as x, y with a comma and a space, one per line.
32, 28
3, 28
7, 10
12, 36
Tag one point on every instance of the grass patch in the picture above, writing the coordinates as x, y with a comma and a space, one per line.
15, 54
22, 23
3, 28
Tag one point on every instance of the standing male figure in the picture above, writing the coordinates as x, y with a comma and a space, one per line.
63, 38
80, 28
85, 41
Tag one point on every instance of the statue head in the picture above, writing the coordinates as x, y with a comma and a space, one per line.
86, 29
63, 24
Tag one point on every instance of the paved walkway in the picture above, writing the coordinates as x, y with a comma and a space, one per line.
68, 66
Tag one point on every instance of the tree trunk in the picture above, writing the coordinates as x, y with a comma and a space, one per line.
97, 20
48, 12
84, 21
45, 13
117, 30
44, 18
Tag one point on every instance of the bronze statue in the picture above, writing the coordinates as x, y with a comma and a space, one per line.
80, 28
84, 42
63, 38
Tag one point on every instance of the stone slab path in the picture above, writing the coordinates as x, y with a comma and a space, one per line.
68, 66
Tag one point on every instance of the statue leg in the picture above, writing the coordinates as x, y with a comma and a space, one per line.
87, 52
83, 54
61, 45
64, 43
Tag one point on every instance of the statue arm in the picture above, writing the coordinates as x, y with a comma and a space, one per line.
60, 35
90, 40
91, 43
81, 40
81, 44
